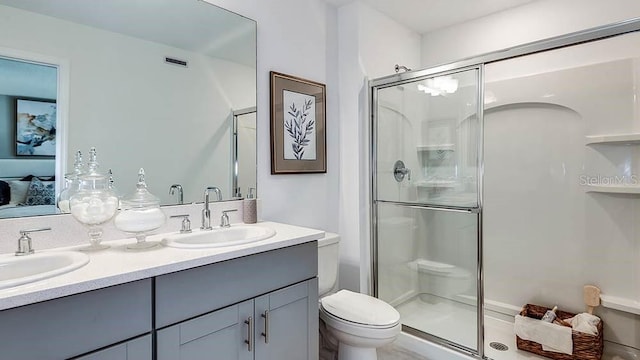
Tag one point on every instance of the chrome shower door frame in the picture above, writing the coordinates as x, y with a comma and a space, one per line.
400, 79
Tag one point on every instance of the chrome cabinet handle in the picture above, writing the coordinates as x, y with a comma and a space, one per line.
249, 342
265, 316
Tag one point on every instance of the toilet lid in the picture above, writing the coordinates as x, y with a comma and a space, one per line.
360, 308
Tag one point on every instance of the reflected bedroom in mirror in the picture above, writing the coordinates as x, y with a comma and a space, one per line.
170, 87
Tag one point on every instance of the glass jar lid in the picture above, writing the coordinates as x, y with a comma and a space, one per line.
93, 179
141, 198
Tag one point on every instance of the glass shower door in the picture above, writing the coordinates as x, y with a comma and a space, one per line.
426, 204
426, 139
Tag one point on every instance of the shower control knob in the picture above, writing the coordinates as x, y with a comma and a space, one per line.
400, 171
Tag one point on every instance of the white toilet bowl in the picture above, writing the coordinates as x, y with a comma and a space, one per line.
360, 323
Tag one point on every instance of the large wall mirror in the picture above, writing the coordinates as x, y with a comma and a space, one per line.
166, 85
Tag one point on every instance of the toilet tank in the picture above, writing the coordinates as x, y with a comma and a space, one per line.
328, 257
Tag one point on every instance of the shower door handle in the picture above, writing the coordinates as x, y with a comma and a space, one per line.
400, 171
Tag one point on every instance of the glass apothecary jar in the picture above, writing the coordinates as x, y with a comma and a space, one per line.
94, 203
71, 184
140, 214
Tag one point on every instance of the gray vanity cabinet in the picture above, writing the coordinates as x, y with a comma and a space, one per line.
198, 313
277, 326
209, 312
136, 349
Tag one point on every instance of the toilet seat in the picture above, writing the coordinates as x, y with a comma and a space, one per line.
360, 310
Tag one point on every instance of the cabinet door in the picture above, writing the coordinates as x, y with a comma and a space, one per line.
217, 335
136, 349
287, 323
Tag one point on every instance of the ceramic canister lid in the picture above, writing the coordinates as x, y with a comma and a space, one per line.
360, 308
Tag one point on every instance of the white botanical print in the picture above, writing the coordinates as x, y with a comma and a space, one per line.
299, 126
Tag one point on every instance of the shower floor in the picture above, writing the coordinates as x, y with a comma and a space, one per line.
441, 317
456, 322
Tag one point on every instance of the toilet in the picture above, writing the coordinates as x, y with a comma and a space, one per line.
360, 323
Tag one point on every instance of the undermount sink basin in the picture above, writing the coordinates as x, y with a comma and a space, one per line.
219, 237
18, 270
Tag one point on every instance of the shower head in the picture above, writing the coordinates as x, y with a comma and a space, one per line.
401, 67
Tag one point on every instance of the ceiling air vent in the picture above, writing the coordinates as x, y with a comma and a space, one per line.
173, 61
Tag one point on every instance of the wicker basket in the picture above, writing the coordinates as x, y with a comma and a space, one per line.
585, 346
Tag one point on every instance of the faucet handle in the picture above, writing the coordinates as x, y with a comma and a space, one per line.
224, 219
27, 232
186, 223
24, 242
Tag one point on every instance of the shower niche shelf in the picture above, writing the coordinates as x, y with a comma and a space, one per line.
618, 139
436, 183
614, 189
436, 147
621, 304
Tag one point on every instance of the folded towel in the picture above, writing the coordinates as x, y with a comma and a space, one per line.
585, 323
552, 336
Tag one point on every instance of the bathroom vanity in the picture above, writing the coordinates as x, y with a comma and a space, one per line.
252, 301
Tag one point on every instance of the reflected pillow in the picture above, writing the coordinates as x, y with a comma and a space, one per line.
40, 193
19, 191
30, 177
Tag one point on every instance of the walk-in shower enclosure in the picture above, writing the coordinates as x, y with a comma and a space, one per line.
508, 179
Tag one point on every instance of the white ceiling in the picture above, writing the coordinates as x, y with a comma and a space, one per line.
427, 15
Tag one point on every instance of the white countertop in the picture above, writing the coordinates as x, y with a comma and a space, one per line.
117, 265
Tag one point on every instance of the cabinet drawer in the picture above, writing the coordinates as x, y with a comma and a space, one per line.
74, 325
217, 335
189, 293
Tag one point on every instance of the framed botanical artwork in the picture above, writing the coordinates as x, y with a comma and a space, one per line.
35, 127
298, 125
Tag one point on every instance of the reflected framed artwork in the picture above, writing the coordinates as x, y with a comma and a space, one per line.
35, 127
298, 125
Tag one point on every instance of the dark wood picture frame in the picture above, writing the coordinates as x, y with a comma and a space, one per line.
298, 125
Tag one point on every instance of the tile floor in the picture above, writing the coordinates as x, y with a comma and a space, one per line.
394, 352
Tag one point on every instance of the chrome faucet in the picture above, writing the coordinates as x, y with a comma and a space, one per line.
224, 219
172, 191
24, 243
206, 213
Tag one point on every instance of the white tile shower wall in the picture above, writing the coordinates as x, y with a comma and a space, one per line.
397, 230
538, 219
66, 231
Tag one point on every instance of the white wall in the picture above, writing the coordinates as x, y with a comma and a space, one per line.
370, 45
534, 21
298, 38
